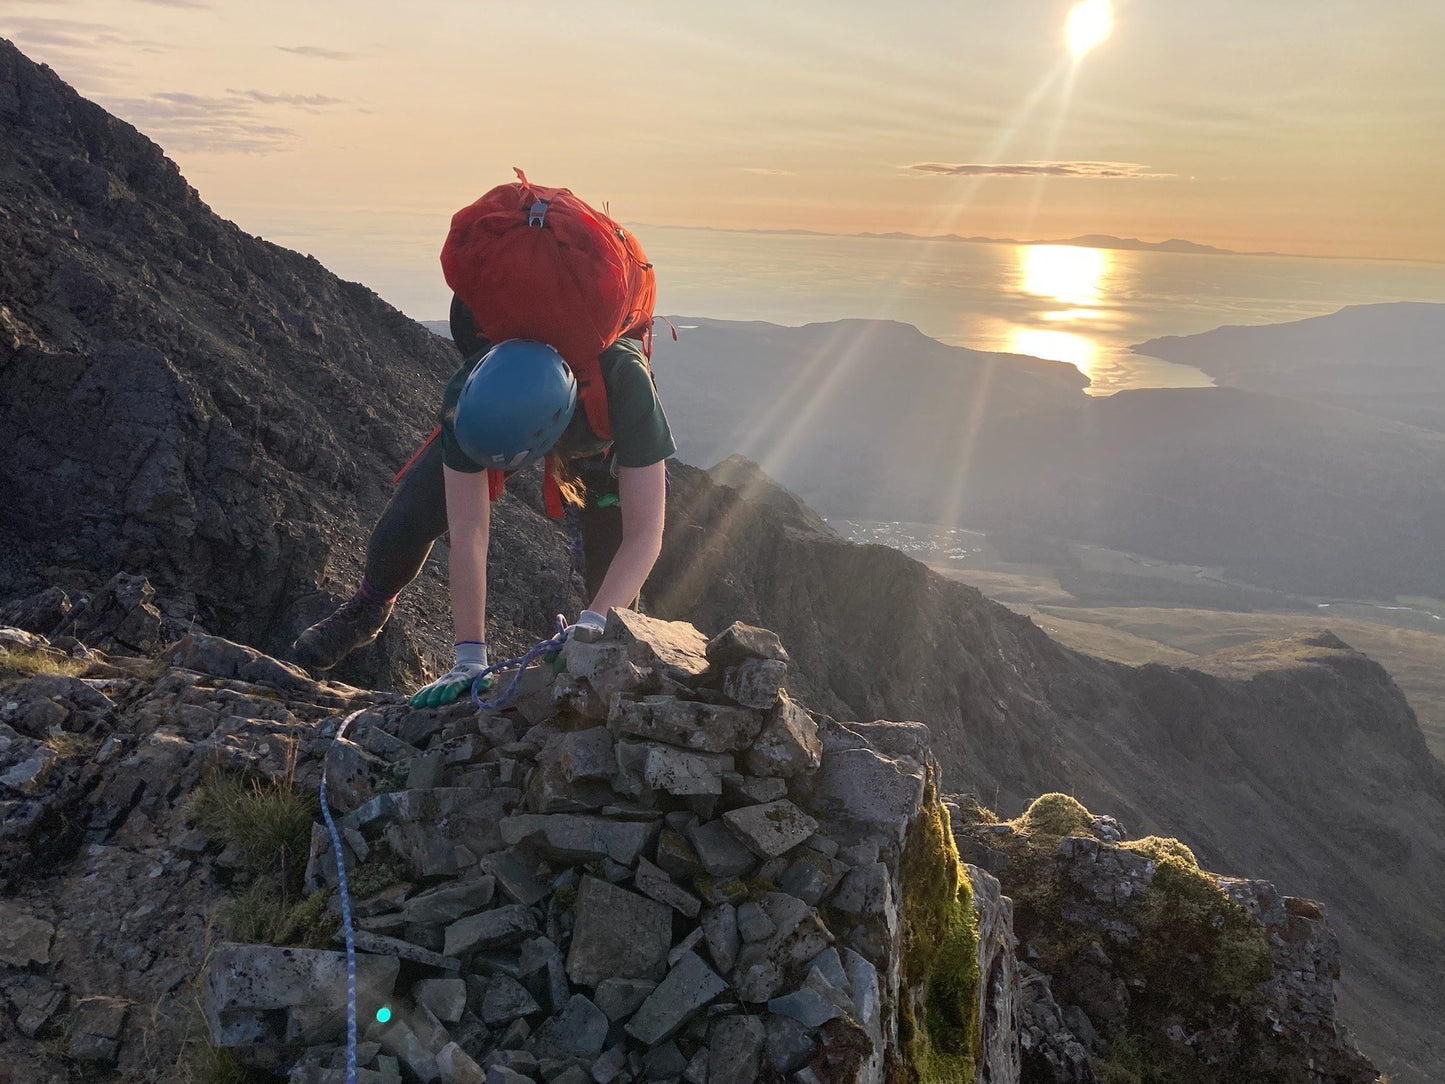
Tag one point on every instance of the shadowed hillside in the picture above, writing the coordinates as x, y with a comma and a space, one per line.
1386, 360
181, 397
864, 420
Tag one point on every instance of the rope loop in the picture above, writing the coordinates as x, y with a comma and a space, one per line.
549, 647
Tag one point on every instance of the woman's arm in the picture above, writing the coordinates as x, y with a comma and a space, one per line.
642, 494
469, 519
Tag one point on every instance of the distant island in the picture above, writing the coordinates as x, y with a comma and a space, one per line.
1087, 240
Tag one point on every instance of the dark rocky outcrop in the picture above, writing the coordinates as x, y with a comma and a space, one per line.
186, 401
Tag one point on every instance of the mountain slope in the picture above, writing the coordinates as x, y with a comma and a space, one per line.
1299, 761
867, 420
180, 397
1379, 359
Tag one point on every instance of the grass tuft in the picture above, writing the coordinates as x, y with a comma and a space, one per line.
64, 744
269, 823
27, 661
266, 915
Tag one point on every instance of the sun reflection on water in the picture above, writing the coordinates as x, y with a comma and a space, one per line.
1074, 277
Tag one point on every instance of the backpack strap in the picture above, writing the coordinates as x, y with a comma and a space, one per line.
593, 393
399, 475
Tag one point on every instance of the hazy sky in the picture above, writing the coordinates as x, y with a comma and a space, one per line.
353, 130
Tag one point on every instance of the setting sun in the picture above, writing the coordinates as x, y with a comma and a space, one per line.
1088, 24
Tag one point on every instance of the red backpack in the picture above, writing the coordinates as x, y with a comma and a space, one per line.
538, 263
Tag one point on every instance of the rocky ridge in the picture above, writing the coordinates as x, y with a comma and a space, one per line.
654, 864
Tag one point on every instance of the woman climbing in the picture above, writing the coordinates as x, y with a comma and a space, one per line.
540, 287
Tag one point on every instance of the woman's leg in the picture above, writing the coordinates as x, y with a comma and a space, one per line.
601, 536
414, 518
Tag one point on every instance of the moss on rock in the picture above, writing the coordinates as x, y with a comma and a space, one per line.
1056, 816
938, 1017
1184, 948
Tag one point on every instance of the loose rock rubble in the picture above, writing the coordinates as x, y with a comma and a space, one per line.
644, 868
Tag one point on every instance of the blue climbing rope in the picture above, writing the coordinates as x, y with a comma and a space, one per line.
521, 662
345, 915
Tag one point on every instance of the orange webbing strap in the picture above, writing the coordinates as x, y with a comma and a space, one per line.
552, 492
496, 483
416, 455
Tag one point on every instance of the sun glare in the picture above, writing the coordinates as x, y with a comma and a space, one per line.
1089, 23
1068, 273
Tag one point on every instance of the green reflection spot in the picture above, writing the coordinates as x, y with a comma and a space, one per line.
383, 1014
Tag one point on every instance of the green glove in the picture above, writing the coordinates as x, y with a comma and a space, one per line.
471, 658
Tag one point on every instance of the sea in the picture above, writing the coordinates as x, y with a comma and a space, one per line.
1084, 306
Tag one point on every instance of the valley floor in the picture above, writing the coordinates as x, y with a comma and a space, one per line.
1136, 632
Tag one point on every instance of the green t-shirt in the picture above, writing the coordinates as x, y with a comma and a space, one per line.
640, 433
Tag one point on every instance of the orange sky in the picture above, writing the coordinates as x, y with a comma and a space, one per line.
1308, 126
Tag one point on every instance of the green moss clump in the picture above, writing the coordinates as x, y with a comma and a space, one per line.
975, 812
1162, 849
1056, 815
565, 898
1196, 945
380, 871
1196, 951
940, 952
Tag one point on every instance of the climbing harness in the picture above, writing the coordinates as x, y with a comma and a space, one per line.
345, 915
521, 662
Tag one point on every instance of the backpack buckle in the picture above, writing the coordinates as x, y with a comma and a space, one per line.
537, 214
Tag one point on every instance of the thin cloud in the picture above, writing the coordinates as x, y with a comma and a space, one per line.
315, 52
194, 122
197, 4
301, 101
1113, 170
765, 171
88, 53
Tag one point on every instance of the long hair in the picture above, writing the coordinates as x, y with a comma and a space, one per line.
573, 492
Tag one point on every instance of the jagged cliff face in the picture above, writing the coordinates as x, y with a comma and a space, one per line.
180, 398
184, 401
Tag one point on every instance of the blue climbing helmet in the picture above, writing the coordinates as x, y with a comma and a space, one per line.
515, 404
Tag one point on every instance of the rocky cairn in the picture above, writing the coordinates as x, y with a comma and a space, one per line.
652, 864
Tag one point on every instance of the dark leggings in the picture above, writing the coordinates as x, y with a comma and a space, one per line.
416, 516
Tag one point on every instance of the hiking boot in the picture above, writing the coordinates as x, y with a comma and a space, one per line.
355, 623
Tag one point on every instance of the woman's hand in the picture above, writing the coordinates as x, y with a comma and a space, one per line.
471, 660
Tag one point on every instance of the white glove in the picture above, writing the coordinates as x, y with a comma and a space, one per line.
471, 661
587, 629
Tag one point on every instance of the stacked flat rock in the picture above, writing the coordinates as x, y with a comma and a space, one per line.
622, 876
